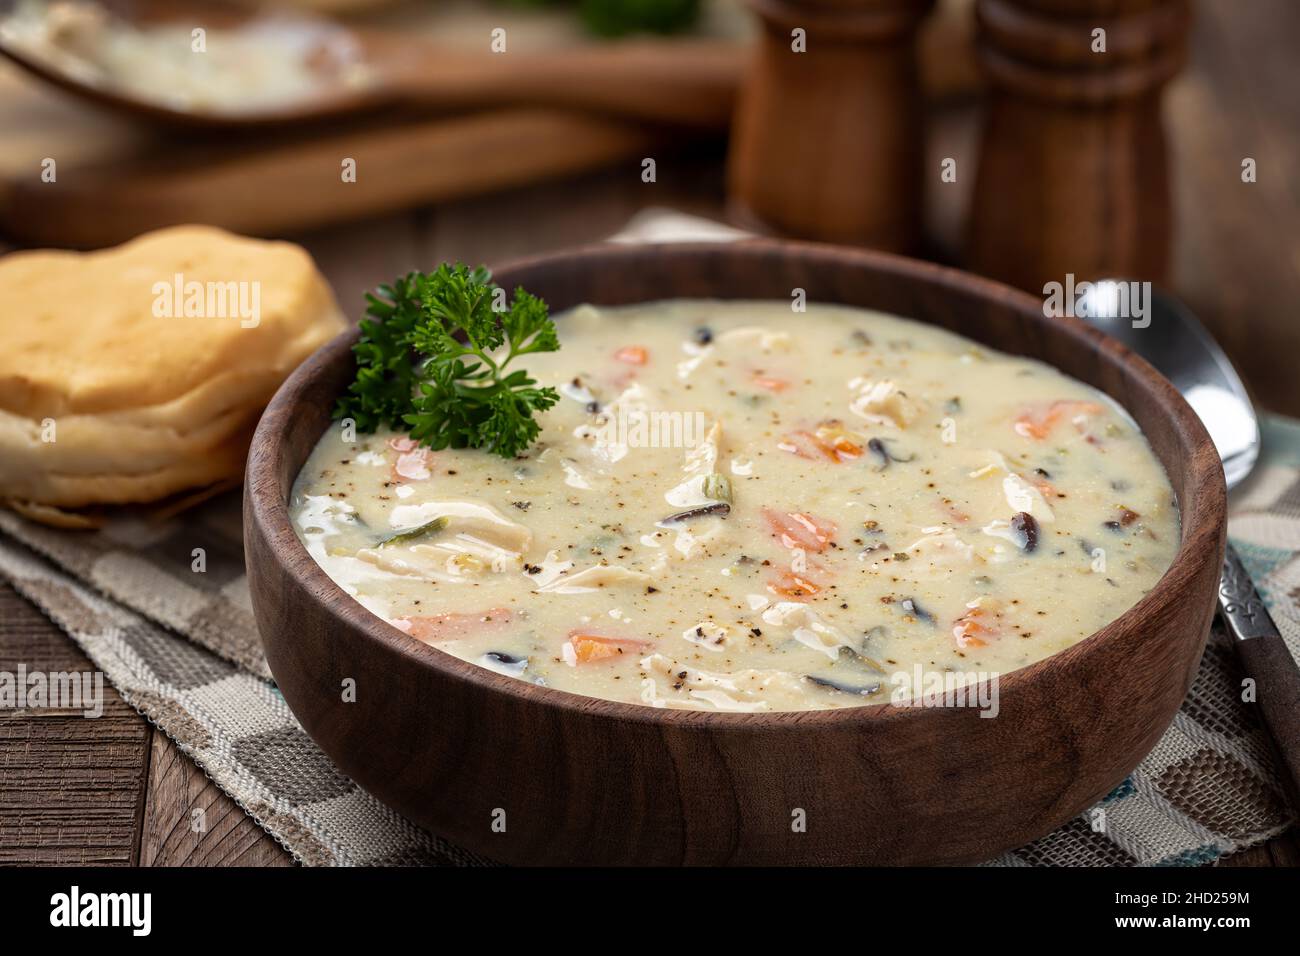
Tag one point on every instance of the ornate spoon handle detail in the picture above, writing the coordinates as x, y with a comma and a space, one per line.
1265, 659
1243, 609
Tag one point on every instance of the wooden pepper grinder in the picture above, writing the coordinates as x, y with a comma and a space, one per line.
827, 138
1072, 170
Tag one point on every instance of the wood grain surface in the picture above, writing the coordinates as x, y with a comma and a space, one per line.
110, 188
1073, 166
72, 788
850, 109
187, 821
112, 791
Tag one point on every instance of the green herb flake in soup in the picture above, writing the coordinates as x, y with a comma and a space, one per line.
732, 508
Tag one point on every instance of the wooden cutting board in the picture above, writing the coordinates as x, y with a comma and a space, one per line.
114, 179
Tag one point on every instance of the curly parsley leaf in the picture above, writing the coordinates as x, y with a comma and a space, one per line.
381, 393
433, 358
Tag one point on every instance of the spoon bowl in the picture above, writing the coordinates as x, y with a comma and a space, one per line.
331, 48
1171, 338
141, 60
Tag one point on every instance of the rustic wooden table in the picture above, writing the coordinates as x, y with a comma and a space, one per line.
115, 791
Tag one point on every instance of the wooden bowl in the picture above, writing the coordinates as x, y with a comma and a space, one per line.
527, 774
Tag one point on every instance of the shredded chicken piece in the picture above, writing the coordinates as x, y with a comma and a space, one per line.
1022, 496
710, 635
704, 483
883, 403
941, 545
598, 576
607, 437
737, 691
806, 627
766, 339
475, 520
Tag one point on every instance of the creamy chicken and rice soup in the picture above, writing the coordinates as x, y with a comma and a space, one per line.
739, 508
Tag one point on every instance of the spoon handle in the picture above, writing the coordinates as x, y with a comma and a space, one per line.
690, 83
1265, 659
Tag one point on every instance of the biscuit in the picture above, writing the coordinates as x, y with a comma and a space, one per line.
70, 490
137, 373
83, 333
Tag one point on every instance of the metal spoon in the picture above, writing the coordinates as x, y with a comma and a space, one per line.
1170, 338
351, 70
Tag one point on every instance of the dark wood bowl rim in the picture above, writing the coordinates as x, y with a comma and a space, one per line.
1204, 478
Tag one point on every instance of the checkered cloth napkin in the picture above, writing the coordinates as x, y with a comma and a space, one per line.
181, 647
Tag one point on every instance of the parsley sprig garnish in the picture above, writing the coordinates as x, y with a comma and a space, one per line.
433, 359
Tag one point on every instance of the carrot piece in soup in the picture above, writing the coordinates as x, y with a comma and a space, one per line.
794, 587
589, 647
413, 465
836, 448
770, 383
795, 529
953, 512
448, 627
413, 460
1046, 488
966, 633
843, 444
805, 445
980, 621
632, 355
829, 442
1038, 422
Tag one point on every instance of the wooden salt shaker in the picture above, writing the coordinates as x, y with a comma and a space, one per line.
1072, 170
827, 142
